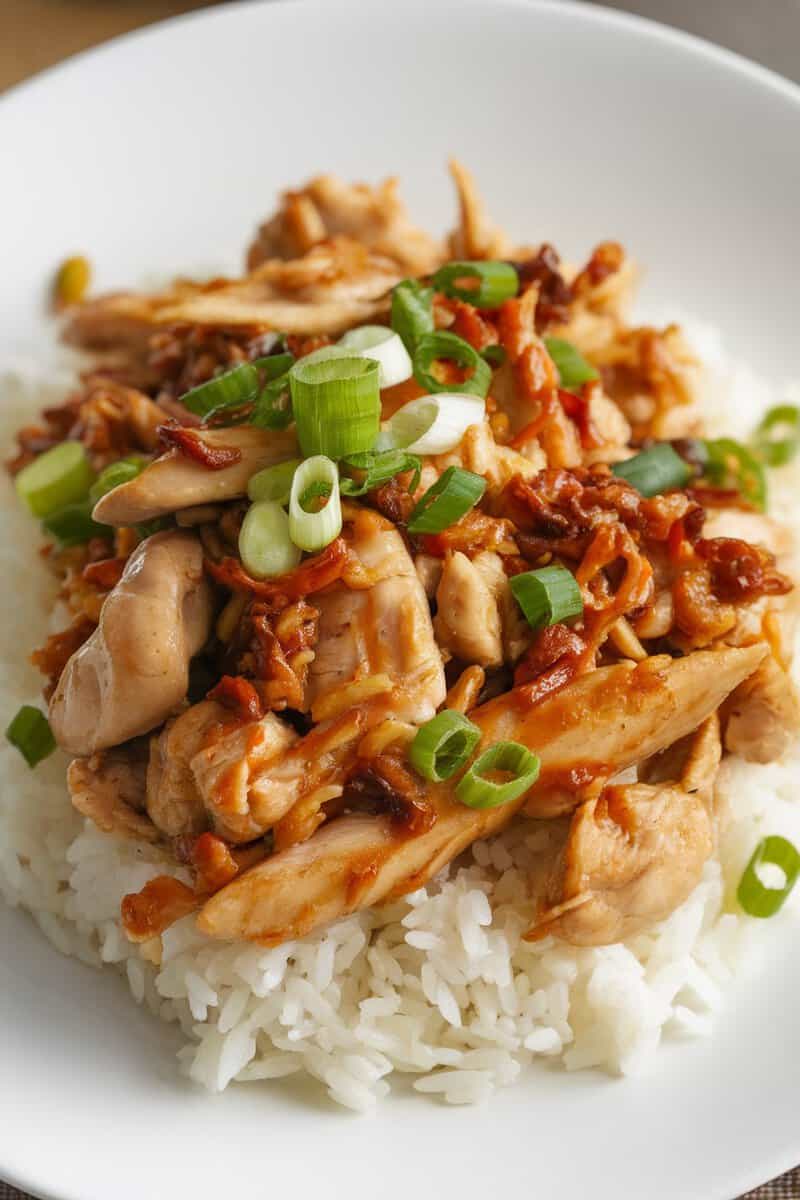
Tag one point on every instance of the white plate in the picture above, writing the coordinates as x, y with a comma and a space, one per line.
160, 153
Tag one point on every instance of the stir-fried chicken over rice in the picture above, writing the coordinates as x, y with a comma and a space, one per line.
515, 584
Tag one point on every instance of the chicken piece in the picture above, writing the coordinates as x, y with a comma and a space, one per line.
477, 618
476, 237
338, 284
173, 801
175, 481
633, 853
201, 766
383, 629
355, 861
478, 452
467, 622
225, 768
763, 715
325, 206
109, 788
636, 712
133, 671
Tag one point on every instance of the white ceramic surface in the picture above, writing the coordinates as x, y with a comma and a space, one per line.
160, 152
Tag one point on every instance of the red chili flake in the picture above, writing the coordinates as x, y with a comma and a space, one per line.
190, 443
239, 695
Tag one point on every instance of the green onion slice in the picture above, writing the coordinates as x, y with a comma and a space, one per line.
376, 468
432, 347
73, 524
114, 475
434, 424
495, 355
732, 465
755, 897
30, 732
572, 367
337, 404
273, 406
265, 546
231, 389
412, 312
485, 284
547, 596
443, 745
58, 477
777, 438
273, 483
656, 470
517, 766
455, 492
314, 530
385, 347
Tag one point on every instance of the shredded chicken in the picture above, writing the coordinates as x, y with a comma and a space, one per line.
325, 207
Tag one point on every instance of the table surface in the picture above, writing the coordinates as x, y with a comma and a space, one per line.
36, 33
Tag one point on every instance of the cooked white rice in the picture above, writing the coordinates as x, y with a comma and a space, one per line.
439, 985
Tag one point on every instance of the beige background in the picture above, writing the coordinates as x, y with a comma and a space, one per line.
36, 33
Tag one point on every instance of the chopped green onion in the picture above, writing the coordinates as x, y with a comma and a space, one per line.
659, 469
432, 347
755, 897
442, 745
507, 758
495, 355
58, 477
114, 475
731, 465
265, 546
337, 405
484, 284
273, 406
572, 367
73, 524
455, 492
376, 468
385, 347
412, 312
231, 389
30, 732
271, 366
434, 424
314, 530
318, 490
273, 483
547, 596
777, 438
